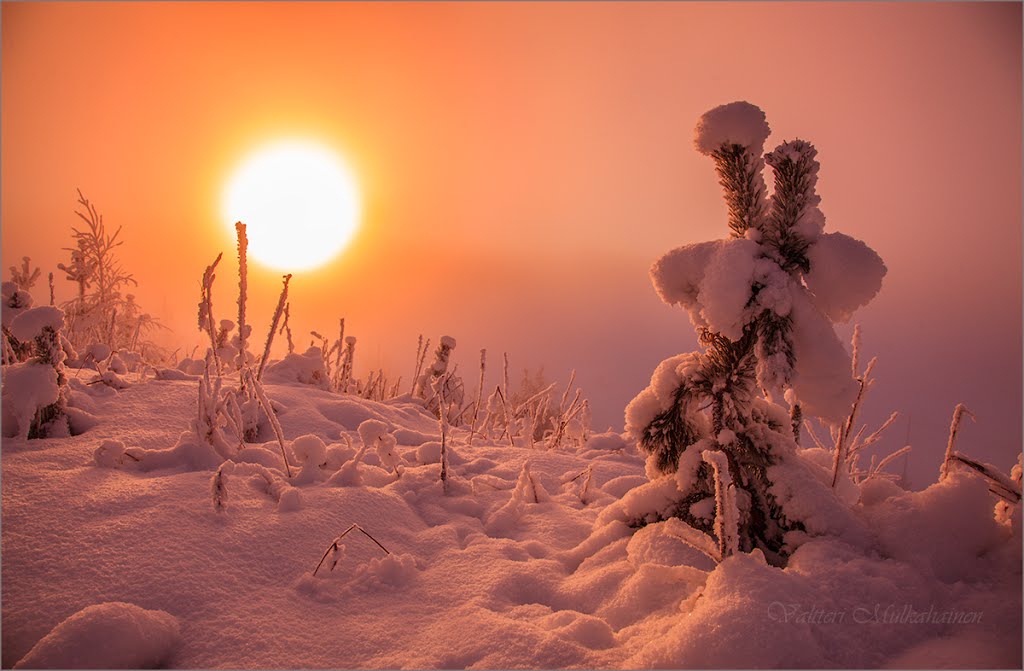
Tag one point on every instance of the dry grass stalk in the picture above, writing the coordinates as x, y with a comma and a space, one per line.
843, 434
506, 413
564, 420
339, 345
243, 287
286, 329
420, 360
333, 547
282, 299
999, 484
272, 418
443, 422
954, 428
479, 394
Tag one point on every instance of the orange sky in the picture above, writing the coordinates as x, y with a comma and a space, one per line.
523, 164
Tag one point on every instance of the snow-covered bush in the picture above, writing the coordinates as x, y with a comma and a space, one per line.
763, 302
35, 391
428, 385
14, 301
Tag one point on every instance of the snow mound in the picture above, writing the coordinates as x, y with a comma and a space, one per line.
98, 351
111, 635
733, 123
305, 368
845, 275
309, 448
27, 387
609, 441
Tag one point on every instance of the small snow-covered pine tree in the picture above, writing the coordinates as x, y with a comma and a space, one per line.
763, 302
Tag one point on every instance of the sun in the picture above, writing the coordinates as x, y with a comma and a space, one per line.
299, 202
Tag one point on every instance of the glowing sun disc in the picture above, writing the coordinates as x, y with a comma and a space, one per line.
299, 202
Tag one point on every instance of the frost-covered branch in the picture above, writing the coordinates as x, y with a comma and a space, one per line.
282, 299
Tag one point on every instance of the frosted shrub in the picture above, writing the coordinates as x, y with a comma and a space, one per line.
25, 277
101, 311
763, 302
15, 300
430, 381
35, 391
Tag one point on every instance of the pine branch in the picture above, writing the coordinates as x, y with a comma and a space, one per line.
740, 176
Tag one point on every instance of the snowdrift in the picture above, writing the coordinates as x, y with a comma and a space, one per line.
529, 560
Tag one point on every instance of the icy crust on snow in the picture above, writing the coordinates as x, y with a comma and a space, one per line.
110, 635
733, 123
845, 275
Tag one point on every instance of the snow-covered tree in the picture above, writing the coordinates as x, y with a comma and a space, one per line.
763, 302
101, 312
35, 391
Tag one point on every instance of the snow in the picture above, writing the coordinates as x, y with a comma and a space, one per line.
307, 368
508, 570
677, 275
30, 323
111, 635
725, 289
15, 301
845, 275
98, 351
822, 377
734, 123
27, 387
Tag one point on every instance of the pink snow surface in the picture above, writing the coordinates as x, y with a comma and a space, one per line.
106, 636
110, 565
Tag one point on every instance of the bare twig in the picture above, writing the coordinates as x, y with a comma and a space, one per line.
334, 544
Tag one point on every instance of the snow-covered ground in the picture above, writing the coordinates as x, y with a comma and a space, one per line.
513, 567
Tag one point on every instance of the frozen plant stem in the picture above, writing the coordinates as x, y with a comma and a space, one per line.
418, 364
341, 344
842, 443
443, 422
954, 427
273, 326
334, 544
206, 309
267, 408
726, 511
243, 244
479, 394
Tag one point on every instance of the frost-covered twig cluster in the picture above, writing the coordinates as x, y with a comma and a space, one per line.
848, 446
